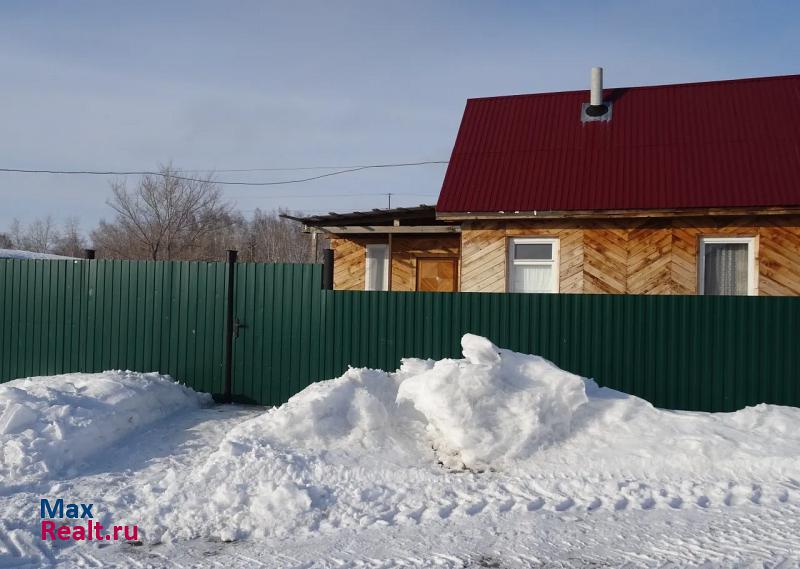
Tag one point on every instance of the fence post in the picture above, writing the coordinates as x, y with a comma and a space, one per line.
327, 269
228, 391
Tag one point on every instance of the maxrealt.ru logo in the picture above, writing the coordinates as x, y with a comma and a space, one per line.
85, 530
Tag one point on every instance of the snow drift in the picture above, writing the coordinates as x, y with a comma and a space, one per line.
497, 409
20, 254
50, 425
374, 447
488, 410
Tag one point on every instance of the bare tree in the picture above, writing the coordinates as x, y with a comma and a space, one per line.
40, 236
163, 217
70, 242
269, 238
5, 241
15, 233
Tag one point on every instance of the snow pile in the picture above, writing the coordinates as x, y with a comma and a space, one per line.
495, 432
492, 408
19, 254
495, 406
373, 447
50, 425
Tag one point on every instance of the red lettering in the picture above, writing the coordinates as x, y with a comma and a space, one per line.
97, 529
64, 532
116, 532
134, 536
48, 527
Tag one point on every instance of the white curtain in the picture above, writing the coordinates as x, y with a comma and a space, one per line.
725, 269
533, 278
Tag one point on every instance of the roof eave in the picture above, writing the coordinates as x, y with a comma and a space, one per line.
618, 213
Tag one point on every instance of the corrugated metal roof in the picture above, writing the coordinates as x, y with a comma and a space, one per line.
421, 212
717, 144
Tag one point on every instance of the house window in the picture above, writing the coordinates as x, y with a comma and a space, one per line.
377, 272
727, 266
533, 265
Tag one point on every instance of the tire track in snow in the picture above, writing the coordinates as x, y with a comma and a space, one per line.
19, 549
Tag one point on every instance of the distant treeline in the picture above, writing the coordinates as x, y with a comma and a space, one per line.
169, 217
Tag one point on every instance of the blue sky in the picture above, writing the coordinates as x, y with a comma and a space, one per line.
221, 85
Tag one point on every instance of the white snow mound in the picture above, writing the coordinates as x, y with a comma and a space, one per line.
489, 409
49, 425
372, 446
498, 409
493, 407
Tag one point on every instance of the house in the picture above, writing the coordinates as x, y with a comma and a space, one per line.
391, 249
672, 189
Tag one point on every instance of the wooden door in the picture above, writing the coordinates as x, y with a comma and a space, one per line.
437, 274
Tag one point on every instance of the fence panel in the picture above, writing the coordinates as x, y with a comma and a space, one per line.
680, 352
66, 316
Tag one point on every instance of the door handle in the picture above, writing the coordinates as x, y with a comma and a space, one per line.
237, 325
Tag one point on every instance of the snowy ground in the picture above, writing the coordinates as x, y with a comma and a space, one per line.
526, 466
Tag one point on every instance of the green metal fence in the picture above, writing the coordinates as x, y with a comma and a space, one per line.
681, 352
63, 316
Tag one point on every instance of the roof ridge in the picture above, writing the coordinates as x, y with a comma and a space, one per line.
645, 87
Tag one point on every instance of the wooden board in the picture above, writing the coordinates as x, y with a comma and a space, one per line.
437, 274
349, 256
407, 249
633, 256
485, 250
350, 262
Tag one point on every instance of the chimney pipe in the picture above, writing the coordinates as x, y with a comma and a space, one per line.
596, 98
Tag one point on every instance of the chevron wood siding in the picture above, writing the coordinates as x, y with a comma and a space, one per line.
484, 254
634, 256
779, 260
605, 260
649, 260
483, 258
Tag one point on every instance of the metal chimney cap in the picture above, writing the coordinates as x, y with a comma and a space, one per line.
596, 87
596, 109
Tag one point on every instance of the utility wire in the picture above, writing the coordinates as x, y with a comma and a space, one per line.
296, 168
222, 182
270, 196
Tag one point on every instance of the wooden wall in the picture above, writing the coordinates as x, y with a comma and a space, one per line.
406, 249
350, 263
633, 256
349, 258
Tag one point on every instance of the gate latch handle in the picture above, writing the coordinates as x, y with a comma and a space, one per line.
237, 325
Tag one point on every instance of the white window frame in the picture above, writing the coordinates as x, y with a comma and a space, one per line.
367, 273
752, 273
554, 241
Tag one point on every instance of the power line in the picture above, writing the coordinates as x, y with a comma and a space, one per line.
297, 168
220, 182
270, 196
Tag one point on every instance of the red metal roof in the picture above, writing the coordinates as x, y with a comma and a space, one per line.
717, 144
